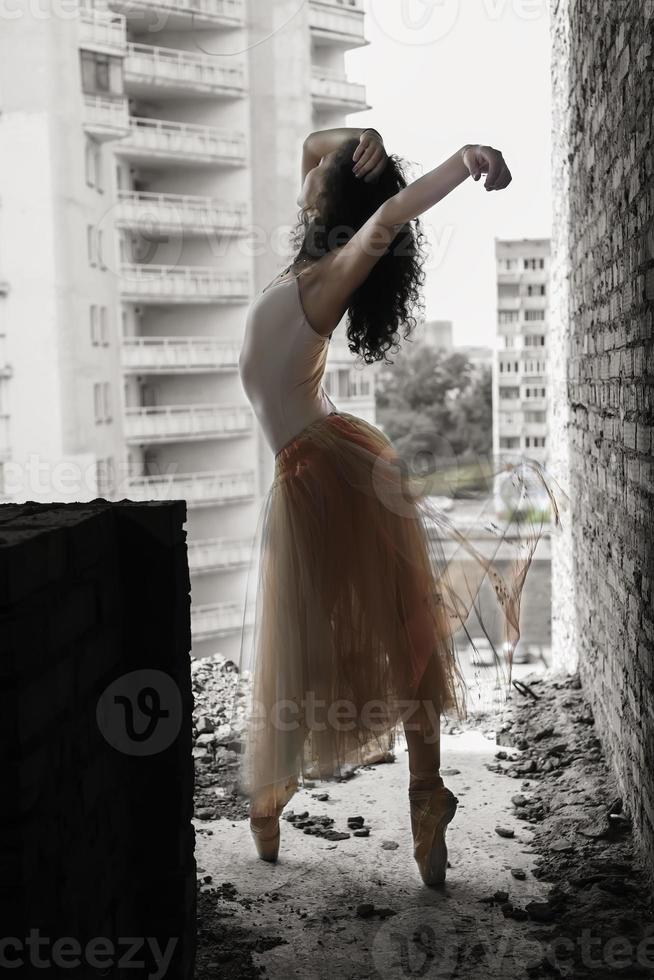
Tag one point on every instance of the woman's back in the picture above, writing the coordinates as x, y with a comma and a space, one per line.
282, 363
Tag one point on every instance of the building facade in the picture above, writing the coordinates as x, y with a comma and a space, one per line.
520, 386
149, 166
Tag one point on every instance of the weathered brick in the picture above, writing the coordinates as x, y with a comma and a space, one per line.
603, 277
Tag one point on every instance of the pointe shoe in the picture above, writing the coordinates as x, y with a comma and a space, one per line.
431, 811
266, 839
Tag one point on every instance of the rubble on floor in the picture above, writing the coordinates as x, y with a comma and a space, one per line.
596, 918
600, 912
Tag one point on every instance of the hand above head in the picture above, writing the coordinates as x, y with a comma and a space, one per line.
486, 160
370, 157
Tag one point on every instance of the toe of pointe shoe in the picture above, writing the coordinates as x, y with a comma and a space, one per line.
266, 840
430, 819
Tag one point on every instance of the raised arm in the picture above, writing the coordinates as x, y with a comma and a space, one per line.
368, 159
422, 194
354, 260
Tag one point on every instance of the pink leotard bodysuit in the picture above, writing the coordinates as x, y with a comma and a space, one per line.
282, 363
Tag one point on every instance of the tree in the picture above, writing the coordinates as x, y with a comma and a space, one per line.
434, 402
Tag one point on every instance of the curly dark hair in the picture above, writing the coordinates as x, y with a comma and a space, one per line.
383, 303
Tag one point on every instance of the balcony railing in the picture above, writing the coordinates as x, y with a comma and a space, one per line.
337, 22
183, 14
333, 89
182, 284
218, 554
169, 68
218, 619
179, 213
106, 119
173, 423
173, 355
102, 31
208, 489
182, 142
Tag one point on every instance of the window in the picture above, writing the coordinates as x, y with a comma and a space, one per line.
102, 401
93, 164
104, 476
97, 402
534, 392
534, 442
535, 340
534, 314
508, 289
99, 328
534, 264
535, 290
509, 316
99, 248
509, 341
107, 401
509, 442
509, 392
104, 337
91, 245
93, 319
101, 73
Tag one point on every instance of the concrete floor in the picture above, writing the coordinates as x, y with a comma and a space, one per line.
304, 908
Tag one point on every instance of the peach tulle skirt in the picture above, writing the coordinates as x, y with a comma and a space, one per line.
353, 598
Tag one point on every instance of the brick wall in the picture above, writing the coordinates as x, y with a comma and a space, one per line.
97, 841
603, 366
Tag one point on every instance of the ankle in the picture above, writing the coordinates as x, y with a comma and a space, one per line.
422, 781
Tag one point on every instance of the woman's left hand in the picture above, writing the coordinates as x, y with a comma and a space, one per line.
370, 157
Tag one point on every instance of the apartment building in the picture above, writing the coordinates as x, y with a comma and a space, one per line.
149, 165
520, 378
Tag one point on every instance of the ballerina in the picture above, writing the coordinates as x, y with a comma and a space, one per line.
356, 607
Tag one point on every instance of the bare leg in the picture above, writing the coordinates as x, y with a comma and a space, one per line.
422, 731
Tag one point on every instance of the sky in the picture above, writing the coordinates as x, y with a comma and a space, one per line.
442, 73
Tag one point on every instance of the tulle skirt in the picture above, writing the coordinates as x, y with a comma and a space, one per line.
357, 586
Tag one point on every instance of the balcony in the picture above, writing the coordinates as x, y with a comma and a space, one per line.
533, 404
150, 69
337, 22
105, 119
160, 139
332, 90
218, 554
508, 303
181, 14
186, 423
178, 355
218, 619
210, 489
179, 214
102, 31
162, 284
